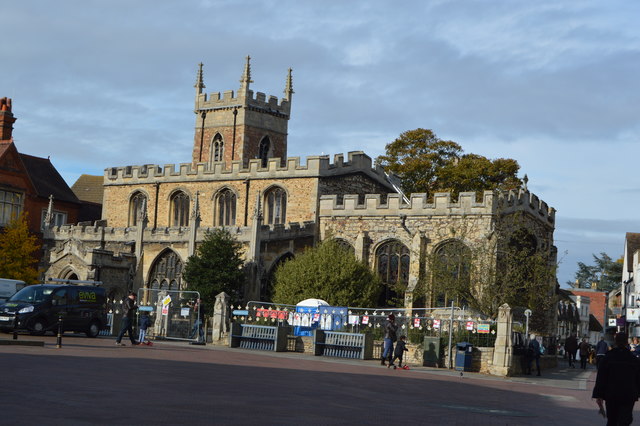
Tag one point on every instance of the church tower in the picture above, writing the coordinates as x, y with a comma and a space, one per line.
240, 127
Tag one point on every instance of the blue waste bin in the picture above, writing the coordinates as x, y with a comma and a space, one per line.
464, 356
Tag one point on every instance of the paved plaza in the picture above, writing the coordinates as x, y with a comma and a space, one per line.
91, 381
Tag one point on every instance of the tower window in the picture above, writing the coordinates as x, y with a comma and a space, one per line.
275, 205
264, 150
217, 152
180, 209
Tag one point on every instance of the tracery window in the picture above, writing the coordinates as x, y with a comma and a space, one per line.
217, 148
225, 208
392, 259
137, 203
450, 269
167, 271
263, 150
179, 209
275, 201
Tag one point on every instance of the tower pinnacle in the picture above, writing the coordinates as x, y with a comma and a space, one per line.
288, 88
245, 80
199, 82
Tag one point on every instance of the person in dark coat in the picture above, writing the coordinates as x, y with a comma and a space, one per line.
618, 383
390, 336
533, 352
601, 350
571, 347
584, 349
198, 325
129, 308
398, 353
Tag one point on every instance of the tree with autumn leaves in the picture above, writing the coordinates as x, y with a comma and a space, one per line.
427, 164
18, 248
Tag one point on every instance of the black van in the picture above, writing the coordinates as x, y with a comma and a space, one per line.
35, 308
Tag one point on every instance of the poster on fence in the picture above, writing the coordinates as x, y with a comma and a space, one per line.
416, 322
436, 323
483, 328
469, 325
365, 320
354, 319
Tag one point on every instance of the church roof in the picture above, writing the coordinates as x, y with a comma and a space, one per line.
89, 188
46, 179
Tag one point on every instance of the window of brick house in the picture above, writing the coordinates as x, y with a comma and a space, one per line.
10, 206
179, 215
59, 218
275, 202
225, 208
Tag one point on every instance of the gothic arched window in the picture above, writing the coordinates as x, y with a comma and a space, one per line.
179, 209
264, 151
275, 202
392, 259
450, 272
225, 208
166, 270
217, 148
137, 203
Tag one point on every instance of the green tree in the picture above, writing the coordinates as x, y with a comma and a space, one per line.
329, 272
216, 267
605, 274
417, 156
18, 249
428, 164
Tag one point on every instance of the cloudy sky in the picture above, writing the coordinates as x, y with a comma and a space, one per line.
553, 84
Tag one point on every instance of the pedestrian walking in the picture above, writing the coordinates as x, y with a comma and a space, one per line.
390, 337
583, 348
144, 323
533, 353
199, 308
129, 308
398, 353
618, 383
601, 350
571, 347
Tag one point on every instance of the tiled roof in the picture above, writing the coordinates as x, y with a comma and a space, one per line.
46, 179
89, 188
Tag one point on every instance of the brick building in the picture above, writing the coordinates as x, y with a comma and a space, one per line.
28, 182
240, 178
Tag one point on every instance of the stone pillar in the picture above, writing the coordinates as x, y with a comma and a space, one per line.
362, 247
415, 264
220, 317
503, 351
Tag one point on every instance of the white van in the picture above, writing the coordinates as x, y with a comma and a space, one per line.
9, 287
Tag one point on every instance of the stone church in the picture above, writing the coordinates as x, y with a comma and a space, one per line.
240, 178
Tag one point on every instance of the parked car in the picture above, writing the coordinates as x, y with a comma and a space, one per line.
36, 309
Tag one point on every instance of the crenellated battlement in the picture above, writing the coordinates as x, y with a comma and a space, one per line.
231, 99
316, 166
441, 205
98, 232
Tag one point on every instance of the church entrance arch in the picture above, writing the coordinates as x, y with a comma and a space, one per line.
266, 290
166, 271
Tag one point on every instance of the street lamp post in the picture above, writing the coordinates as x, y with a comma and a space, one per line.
527, 313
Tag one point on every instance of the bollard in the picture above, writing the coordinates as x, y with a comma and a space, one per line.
59, 340
15, 326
